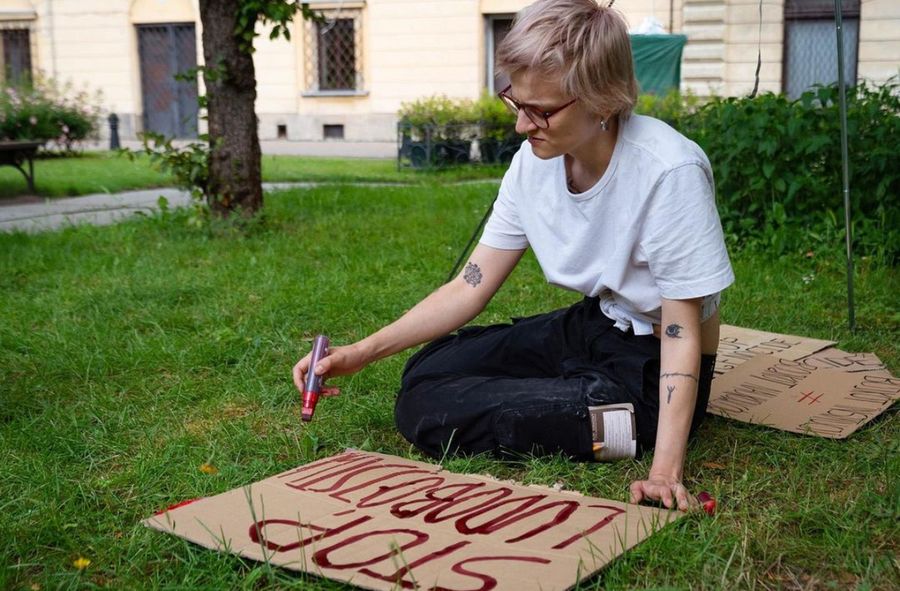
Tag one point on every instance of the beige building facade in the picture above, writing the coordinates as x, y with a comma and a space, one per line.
346, 78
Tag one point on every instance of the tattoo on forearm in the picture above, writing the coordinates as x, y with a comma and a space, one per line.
674, 331
675, 374
472, 274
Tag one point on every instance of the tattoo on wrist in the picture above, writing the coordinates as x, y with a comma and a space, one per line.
472, 274
670, 389
674, 331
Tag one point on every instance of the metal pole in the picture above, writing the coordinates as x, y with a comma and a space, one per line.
114, 132
671, 17
839, 28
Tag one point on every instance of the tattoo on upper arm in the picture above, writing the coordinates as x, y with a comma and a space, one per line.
472, 274
670, 389
674, 331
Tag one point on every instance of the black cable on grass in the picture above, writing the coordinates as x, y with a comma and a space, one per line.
758, 54
465, 251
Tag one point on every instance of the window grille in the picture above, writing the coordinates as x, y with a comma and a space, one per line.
15, 61
810, 55
334, 53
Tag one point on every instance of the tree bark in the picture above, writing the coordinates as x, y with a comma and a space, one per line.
235, 181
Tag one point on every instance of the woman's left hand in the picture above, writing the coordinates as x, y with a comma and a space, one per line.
666, 490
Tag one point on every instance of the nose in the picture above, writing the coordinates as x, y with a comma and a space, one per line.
523, 123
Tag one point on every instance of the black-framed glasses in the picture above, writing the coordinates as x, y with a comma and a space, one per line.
538, 116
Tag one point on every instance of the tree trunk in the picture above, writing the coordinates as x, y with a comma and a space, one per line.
235, 181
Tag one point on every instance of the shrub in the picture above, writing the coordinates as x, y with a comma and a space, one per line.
438, 117
436, 131
672, 107
778, 166
497, 138
188, 164
496, 120
46, 111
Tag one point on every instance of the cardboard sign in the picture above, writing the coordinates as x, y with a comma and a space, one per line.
832, 358
382, 522
737, 345
801, 397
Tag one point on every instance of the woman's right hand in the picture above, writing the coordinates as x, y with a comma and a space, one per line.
341, 361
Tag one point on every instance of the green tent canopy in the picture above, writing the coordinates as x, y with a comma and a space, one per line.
657, 61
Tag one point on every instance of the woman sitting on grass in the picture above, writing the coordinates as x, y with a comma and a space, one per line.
616, 206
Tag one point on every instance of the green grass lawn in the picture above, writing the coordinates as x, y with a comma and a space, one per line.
109, 172
91, 172
131, 355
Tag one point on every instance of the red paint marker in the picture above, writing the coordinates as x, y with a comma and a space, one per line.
707, 502
314, 382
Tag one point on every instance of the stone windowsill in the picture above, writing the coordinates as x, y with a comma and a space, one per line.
333, 93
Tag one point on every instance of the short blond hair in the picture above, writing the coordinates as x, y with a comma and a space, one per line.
586, 44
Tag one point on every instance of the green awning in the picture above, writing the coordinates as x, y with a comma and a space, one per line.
657, 61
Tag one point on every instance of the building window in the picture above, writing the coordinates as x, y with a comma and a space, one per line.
496, 28
810, 44
15, 56
169, 104
334, 54
333, 132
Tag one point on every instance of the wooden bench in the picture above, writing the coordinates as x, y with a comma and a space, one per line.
16, 154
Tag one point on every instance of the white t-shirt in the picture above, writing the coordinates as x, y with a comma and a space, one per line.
648, 229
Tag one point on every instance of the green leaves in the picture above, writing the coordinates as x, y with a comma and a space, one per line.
279, 13
188, 164
778, 164
438, 115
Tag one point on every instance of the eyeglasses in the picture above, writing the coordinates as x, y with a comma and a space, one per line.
538, 116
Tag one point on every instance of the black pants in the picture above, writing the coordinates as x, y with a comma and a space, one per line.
525, 387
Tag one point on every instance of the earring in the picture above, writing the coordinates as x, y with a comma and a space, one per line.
603, 125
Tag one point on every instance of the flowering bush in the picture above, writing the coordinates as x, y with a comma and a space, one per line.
44, 111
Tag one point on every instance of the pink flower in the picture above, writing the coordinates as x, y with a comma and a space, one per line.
32, 120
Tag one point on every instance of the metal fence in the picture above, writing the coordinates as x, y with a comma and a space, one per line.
441, 146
